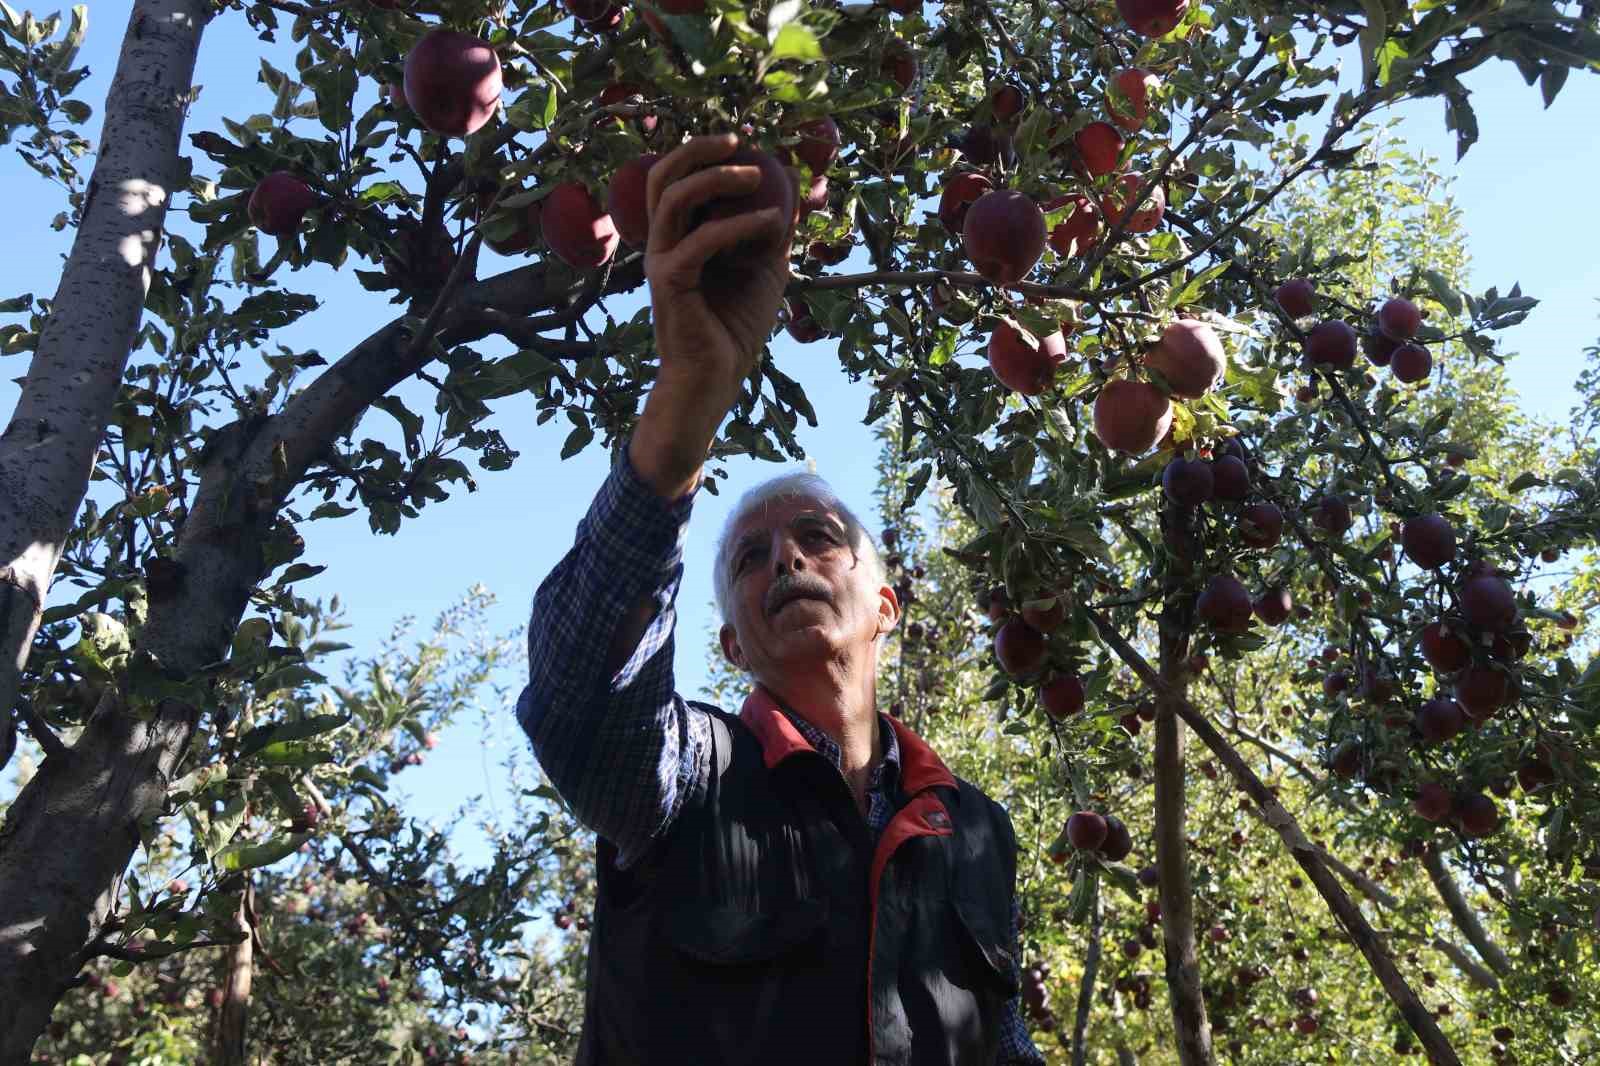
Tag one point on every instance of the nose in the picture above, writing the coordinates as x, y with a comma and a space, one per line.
786, 554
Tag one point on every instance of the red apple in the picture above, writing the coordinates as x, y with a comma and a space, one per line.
1024, 363
1188, 482
1118, 842
1274, 606
1128, 96
452, 82
1439, 719
1006, 101
814, 197
1152, 18
1346, 759
819, 144
1020, 648
1379, 349
1482, 690
1190, 357
1099, 148
777, 189
1080, 230
985, 146
1445, 651
1231, 477
1117, 203
957, 196
1488, 602
1260, 525
279, 202
1429, 541
1063, 696
1411, 363
1433, 802
1332, 344
1004, 235
1086, 830
1332, 515
1225, 604
1046, 619
1131, 416
1297, 297
802, 326
576, 227
1476, 814
1399, 319
900, 64
618, 92
625, 200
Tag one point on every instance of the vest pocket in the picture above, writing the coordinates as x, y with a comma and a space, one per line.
987, 935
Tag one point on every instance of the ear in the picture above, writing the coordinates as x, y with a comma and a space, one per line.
888, 609
729, 639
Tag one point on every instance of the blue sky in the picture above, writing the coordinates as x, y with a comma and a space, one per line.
1520, 191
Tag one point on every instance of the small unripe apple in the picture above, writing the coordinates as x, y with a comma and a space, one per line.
1004, 235
1188, 482
1190, 357
1020, 648
1399, 319
1063, 696
1429, 541
1332, 344
1297, 297
1225, 604
1099, 148
452, 82
1260, 525
1131, 416
1411, 363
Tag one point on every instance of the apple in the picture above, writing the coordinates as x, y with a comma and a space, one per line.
1022, 362
1439, 719
1131, 723
563, 920
1225, 604
279, 202
995, 603
1274, 606
1099, 147
1399, 319
1332, 515
1188, 482
1020, 648
1149, 876
777, 189
1379, 349
1152, 18
1534, 774
1080, 230
1346, 759
1086, 830
452, 82
830, 254
577, 228
1131, 416
1332, 344
1046, 619
1429, 541
819, 144
1411, 363
1559, 994
422, 259
815, 195
1190, 357
1445, 651
900, 64
1128, 96
618, 92
1063, 696
986, 146
957, 196
1297, 297
611, 17
1004, 235
1117, 203
1488, 602
802, 326
1006, 101
1482, 690
528, 222
1260, 525
1118, 842
1218, 934
1335, 682
586, 10
1476, 814
1231, 477
626, 200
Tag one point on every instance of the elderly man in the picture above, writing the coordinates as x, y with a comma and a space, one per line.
804, 882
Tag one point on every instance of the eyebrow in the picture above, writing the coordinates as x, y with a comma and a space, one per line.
809, 518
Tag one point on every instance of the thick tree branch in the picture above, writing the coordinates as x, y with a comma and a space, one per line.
1461, 912
1091, 968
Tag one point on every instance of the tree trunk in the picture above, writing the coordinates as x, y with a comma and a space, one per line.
1191, 1028
47, 451
234, 1015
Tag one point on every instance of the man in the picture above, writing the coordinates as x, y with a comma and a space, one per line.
805, 881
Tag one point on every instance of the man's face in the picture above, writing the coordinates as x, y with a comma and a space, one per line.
799, 594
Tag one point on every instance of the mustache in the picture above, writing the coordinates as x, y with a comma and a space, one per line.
794, 586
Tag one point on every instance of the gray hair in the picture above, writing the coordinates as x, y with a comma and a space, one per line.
799, 485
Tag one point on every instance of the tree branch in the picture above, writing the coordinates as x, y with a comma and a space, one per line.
1091, 968
1465, 918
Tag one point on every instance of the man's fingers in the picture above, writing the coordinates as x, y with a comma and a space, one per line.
767, 228
685, 159
671, 218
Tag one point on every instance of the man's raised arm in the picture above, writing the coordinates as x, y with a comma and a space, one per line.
613, 736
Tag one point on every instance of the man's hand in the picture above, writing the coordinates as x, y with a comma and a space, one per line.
708, 335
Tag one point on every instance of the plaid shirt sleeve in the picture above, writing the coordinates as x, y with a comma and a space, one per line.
1016, 1046
623, 750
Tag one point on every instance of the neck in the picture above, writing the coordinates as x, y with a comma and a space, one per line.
842, 702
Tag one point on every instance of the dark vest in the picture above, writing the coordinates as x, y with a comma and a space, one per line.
767, 928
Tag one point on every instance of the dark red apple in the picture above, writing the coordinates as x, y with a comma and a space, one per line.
1332, 515
1024, 363
1046, 619
1190, 357
618, 92
1232, 478
1433, 802
1429, 541
1379, 349
814, 197
1004, 235
1080, 230
1128, 96
776, 190
1152, 18
1439, 719
1488, 602
1020, 648
819, 144
1476, 814
1063, 696
1346, 761
1332, 344
577, 228
1086, 830
1411, 363
1188, 482
801, 324
986, 146
1118, 840
452, 82
1225, 604
1399, 319
279, 202
1274, 606
625, 200
1099, 148
1482, 690
1117, 203
900, 64
1297, 297
1006, 101
1260, 525
957, 196
1131, 416
1445, 651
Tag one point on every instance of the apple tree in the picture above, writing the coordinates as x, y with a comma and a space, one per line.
1088, 190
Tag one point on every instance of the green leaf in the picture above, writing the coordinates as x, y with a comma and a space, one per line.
251, 856
1372, 37
304, 729
1525, 480
1195, 287
1443, 291
794, 41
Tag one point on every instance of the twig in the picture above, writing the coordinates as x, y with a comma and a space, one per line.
41, 732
